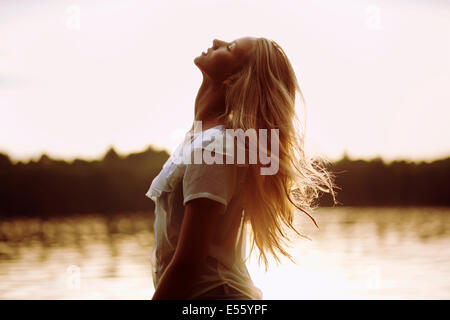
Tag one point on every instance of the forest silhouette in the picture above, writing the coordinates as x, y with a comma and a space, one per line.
116, 183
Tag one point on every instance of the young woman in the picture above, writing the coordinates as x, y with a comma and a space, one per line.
202, 210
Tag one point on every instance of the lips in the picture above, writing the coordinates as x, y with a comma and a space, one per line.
207, 52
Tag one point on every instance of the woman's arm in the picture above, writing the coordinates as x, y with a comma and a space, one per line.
196, 235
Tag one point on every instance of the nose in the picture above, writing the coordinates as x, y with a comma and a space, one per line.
217, 43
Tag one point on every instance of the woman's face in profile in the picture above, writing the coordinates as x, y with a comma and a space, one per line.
225, 58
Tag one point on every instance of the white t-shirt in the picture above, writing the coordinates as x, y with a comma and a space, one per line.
176, 184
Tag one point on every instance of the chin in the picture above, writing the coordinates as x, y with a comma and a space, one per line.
197, 62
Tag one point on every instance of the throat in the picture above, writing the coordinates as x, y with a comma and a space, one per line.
210, 103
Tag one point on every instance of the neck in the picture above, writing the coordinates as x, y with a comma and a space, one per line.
209, 103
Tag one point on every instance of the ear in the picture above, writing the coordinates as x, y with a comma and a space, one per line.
227, 83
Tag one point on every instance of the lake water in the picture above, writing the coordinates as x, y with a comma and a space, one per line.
358, 253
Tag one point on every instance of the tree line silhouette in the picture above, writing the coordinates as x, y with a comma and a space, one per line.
115, 183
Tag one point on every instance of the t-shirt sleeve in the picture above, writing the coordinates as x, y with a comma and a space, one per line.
217, 182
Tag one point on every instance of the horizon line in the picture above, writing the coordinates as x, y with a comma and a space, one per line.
344, 155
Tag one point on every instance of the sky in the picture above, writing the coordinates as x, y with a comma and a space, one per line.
77, 77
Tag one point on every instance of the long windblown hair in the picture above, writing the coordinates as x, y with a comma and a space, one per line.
263, 96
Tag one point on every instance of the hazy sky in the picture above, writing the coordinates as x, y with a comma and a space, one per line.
375, 74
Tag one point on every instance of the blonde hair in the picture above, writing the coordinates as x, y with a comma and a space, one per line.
263, 95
